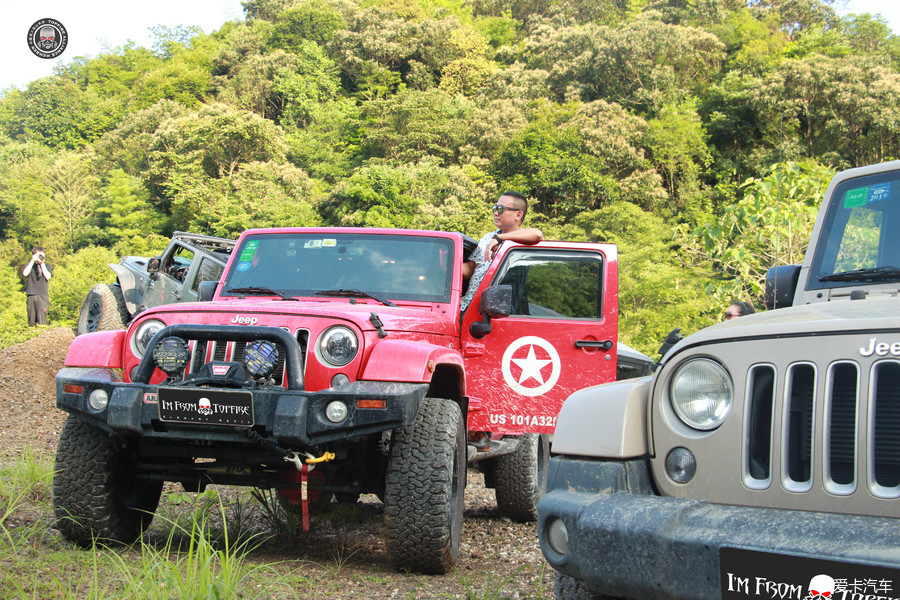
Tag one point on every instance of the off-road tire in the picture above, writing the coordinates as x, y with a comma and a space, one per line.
520, 478
103, 310
95, 496
425, 487
566, 587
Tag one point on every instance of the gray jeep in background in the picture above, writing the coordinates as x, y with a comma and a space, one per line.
762, 458
141, 283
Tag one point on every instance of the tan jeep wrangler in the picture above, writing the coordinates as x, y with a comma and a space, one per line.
762, 458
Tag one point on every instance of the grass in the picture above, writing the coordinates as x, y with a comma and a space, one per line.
220, 545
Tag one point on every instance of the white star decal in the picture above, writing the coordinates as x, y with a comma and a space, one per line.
531, 366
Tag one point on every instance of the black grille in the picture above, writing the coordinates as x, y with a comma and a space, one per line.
204, 352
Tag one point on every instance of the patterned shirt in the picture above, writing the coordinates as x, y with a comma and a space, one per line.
481, 264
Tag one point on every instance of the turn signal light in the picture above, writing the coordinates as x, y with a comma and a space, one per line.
371, 404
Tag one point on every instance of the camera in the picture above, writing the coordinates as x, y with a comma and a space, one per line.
39, 257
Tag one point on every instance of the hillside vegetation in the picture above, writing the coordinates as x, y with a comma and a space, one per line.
697, 134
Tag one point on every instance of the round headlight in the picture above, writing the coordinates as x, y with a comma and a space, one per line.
143, 334
702, 393
172, 355
338, 346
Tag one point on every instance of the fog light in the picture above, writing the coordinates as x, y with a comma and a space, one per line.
172, 355
98, 399
339, 380
336, 411
260, 358
558, 536
681, 465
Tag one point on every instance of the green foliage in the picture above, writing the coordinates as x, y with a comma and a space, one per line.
74, 276
416, 114
769, 226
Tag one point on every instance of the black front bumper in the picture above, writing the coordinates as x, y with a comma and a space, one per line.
292, 418
625, 541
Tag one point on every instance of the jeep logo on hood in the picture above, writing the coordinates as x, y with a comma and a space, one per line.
239, 320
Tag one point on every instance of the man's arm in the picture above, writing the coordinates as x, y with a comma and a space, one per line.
523, 236
46, 271
27, 268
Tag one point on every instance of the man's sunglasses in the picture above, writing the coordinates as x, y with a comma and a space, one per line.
498, 209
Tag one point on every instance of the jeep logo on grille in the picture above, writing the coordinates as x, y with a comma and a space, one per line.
881, 348
239, 320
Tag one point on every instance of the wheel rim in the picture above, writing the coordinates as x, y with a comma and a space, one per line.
95, 311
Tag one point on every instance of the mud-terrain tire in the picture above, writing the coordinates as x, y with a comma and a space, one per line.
95, 496
566, 587
425, 487
103, 310
520, 478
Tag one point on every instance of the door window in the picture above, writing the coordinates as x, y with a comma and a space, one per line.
554, 285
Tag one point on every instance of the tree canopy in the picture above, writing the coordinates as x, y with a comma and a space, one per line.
698, 136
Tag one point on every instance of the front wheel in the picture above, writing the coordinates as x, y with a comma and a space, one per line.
425, 487
95, 494
103, 310
520, 478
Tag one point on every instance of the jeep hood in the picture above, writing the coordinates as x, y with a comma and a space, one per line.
814, 320
420, 319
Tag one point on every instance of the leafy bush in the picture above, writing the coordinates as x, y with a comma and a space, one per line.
73, 278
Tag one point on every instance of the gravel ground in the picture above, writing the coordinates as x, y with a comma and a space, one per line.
342, 555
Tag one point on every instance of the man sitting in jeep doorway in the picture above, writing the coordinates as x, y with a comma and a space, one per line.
509, 214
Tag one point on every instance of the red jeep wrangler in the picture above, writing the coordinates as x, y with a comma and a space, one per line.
344, 348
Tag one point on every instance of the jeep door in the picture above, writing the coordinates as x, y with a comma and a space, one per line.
560, 336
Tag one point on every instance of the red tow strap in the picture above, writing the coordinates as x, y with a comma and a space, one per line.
304, 495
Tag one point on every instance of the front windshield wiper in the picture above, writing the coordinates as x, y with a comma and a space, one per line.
885, 272
259, 291
354, 294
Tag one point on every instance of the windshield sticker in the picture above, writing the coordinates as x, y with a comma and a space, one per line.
243, 266
531, 366
857, 197
312, 244
329, 243
864, 195
250, 250
880, 191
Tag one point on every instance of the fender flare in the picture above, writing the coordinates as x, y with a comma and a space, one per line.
99, 349
399, 360
128, 284
607, 420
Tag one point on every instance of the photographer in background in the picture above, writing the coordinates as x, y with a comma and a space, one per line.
37, 273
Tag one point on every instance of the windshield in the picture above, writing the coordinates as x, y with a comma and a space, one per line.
857, 244
379, 267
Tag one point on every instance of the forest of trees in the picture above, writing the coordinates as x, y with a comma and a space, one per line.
698, 135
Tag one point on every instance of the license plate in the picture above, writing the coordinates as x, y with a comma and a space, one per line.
206, 406
751, 574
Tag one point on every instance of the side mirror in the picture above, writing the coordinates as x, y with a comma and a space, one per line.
153, 264
781, 284
206, 290
496, 301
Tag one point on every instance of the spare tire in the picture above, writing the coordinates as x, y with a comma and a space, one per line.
103, 310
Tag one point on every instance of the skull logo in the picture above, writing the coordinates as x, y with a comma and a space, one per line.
48, 38
821, 587
204, 407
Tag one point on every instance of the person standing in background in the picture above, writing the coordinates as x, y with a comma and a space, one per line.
739, 308
37, 274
